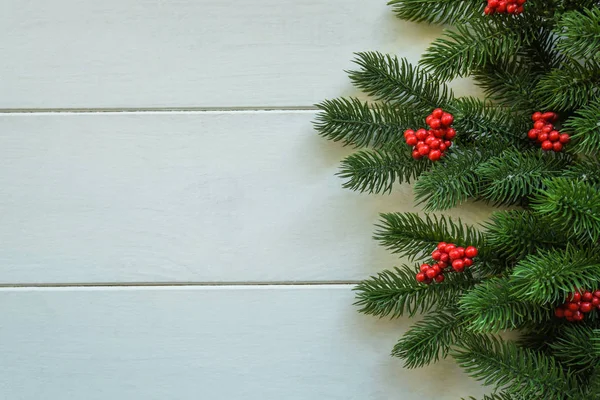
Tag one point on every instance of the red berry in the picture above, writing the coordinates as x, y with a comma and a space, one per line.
442, 246
568, 313
429, 139
533, 134
587, 296
421, 134
450, 134
431, 273
501, 7
488, 11
596, 301
458, 264
573, 306
520, 10
542, 137
564, 138
578, 316
442, 147
447, 119
440, 278
493, 3
445, 257
511, 8
424, 267
597, 293
547, 145
435, 144
586, 307
539, 124
471, 252
536, 115
435, 123
467, 261
428, 281
408, 132
450, 247
436, 255
574, 297
454, 255
553, 136
457, 269
428, 119
437, 113
435, 155
438, 133
448, 144
559, 312
549, 116
557, 146
461, 250
421, 277
416, 155
412, 140
445, 265
548, 128
521, 2
423, 150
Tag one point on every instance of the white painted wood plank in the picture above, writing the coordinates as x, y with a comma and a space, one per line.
160, 197
292, 343
190, 53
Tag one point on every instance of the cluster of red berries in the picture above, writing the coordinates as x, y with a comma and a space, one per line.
544, 132
504, 7
578, 304
435, 141
447, 255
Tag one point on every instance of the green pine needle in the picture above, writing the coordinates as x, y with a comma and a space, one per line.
585, 170
548, 277
509, 83
410, 235
572, 346
376, 171
437, 11
579, 33
516, 371
429, 339
585, 128
359, 124
396, 80
395, 293
573, 206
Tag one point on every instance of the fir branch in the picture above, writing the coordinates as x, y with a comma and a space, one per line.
396, 80
469, 47
437, 11
516, 371
573, 206
360, 124
514, 234
411, 235
477, 119
570, 87
376, 171
509, 83
579, 33
451, 181
515, 175
497, 396
491, 307
394, 293
550, 276
587, 171
572, 347
585, 128
430, 339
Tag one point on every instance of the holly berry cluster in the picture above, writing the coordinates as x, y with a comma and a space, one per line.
578, 304
545, 133
433, 142
447, 255
514, 7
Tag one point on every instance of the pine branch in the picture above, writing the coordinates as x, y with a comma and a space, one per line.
392, 80
579, 33
497, 396
570, 87
572, 206
587, 171
549, 276
585, 128
394, 293
516, 371
429, 340
515, 175
437, 11
376, 171
477, 120
451, 181
468, 48
490, 307
411, 235
572, 347
360, 124
516, 233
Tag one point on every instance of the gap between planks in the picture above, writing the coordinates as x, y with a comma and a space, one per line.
175, 284
115, 110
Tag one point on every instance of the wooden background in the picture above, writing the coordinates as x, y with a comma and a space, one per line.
170, 224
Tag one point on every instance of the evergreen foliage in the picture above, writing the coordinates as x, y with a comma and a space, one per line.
533, 256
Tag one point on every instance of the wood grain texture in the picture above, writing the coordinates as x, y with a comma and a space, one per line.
190, 53
292, 343
180, 197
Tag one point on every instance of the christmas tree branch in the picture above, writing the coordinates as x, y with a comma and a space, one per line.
579, 33
572, 345
437, 11
585, 129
